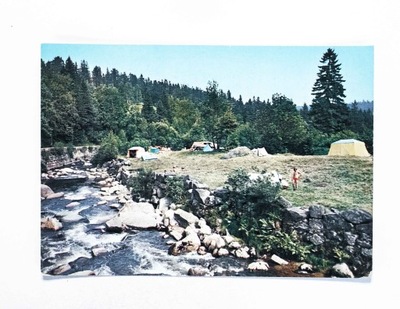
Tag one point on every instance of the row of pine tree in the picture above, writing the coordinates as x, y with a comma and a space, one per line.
80, 106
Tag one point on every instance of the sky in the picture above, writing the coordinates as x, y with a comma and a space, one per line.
258, 71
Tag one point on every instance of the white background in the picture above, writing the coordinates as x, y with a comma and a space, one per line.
24, 25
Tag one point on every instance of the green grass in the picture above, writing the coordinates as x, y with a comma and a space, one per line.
339, 182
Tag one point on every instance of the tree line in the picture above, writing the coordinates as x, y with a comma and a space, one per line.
80, 106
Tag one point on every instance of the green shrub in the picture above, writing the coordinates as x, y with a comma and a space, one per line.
249, 208
284, 244
142, 184
107, 151
58, 148
70, 150
175, 189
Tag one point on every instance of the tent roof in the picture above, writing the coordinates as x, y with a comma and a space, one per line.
136, 148
347, 141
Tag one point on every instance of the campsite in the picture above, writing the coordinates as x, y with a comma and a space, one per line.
323, 176
195, 164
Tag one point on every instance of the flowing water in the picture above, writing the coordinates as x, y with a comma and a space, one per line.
142, 252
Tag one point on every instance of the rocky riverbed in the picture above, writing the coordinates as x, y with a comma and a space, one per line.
92, 226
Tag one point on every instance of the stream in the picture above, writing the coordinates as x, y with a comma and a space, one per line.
141, 252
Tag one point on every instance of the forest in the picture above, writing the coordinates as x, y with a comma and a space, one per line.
84, 106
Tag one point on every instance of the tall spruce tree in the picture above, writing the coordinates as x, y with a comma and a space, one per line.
328, 111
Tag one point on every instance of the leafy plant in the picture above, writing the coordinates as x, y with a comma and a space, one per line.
58, 148
284, 244
142, 184
107, 151
340, 255
175, 189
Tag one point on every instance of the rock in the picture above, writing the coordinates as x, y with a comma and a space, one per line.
136, 215
198, 271
55, 195
45, 191
72, 217
234, 245
201, 195
316, 211
258, 266
61, 269
51, 224
190, 243
306, 267
213, 241
242, 253
204, 228
73, 204
284, 184
114, 225
282, 202
278, 260
75, 197
202, 250
342, 271
164, 203
185, 218
295, 214
83, 273
357, 216
222, 252
177, 232
96, 251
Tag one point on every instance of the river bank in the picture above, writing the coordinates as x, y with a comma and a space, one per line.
102, 225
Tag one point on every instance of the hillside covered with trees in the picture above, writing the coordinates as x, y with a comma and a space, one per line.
83, 106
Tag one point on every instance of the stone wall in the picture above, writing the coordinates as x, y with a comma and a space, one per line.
328, 231
58, 157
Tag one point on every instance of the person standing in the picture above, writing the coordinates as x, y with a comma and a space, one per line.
295, 178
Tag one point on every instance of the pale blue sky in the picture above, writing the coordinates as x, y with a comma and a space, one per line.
249, 71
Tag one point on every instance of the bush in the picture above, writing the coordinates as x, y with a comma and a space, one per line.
250, 208
70, 150
58, 148
141, 184
107, 151
175, 190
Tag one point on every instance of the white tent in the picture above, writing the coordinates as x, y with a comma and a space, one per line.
260, 152
135, 152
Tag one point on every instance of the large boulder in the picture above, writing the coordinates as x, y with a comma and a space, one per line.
185, 218
191, 243
135, 215
45, 191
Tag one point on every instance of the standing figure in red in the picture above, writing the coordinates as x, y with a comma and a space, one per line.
295, 178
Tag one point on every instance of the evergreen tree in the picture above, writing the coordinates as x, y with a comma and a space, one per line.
97, 76
214, 110
328, 111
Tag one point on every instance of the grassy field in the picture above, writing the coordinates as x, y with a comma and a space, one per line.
339, 182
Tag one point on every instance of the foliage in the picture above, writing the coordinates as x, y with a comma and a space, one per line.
141, 184
59, 148
175, 190
250, 201
284, 244
70, 150
107, 151
328, 111
80, 106
341, 255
